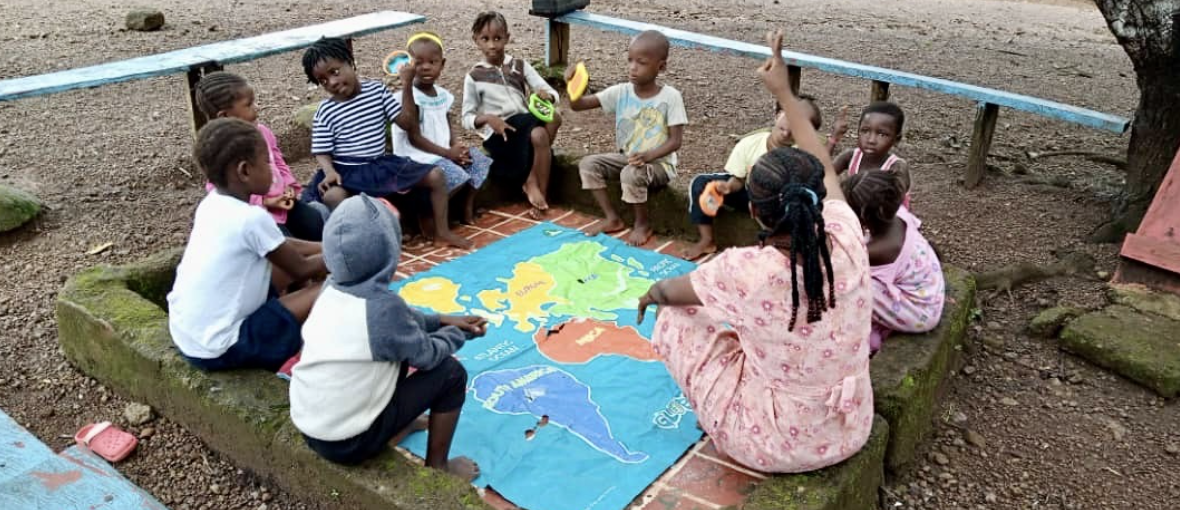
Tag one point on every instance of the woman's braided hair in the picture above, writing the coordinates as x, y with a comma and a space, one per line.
217, 92
324, 49
787, 190
875, 196
223, 143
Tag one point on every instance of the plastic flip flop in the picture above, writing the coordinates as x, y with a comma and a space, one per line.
394, 62
578, 83
106, 440
710, 200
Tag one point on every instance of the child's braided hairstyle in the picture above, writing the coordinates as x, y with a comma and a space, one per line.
217, 92
222, 144
875, 196
324, 49
486, 18
787, 190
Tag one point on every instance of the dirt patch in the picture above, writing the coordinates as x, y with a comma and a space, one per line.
113, 165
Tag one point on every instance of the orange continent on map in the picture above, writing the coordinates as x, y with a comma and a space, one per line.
581, 340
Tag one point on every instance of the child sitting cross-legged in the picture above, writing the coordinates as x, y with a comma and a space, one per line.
348, 137
732, 182
434, 143
878, 131
495, 92
907, 276
649, 127
224, 310
350, 393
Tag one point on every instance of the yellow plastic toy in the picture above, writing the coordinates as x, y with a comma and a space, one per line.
577, 85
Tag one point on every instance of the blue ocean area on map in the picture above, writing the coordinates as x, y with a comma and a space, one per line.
568, 407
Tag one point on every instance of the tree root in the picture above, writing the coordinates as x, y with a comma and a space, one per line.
1009, 277
1120, 163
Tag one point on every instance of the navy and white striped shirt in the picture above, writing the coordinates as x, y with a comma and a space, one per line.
355, 128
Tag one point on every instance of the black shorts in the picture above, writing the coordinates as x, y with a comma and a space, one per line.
267, 338
512, 159
441, 389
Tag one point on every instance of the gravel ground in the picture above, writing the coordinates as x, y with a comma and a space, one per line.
1023, 426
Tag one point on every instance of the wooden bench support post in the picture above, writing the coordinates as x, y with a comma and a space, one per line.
557, 43
795, 74
194, 75
879, 91
981, 142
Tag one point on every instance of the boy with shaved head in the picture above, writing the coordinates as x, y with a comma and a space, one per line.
649, 126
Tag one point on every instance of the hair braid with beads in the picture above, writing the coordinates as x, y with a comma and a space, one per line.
787, 190
217, 92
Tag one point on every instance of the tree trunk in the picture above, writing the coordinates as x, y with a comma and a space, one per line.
1146, 29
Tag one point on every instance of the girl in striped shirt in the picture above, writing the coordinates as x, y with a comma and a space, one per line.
348, 137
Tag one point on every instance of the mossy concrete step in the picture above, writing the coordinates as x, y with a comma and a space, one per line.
1143, 347
16, 208
112, 325
910, 371
849, 485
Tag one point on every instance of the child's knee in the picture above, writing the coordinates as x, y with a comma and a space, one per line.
434, 178
334, 196
539, 137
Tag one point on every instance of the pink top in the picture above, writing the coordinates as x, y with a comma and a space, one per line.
854, 167
908, 293
283, 178
776, 400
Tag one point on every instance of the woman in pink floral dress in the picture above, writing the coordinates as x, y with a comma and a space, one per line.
776, 393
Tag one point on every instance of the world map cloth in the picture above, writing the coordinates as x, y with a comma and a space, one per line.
568, 407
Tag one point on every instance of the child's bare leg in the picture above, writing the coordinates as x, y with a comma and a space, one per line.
538, 182
704, 246
334, 196
469, 205
420, 423
299, 302
552, 128
612, 223
436, 182
641, 232
438, 447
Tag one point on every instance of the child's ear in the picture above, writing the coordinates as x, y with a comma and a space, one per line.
242, 170
221, 113
663, 65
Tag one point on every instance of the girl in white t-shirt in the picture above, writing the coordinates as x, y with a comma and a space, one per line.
224, 310
465, 168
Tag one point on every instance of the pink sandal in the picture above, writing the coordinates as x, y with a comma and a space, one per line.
106, 440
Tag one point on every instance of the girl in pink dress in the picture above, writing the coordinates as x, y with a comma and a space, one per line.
908, 287
778, 392
878, 131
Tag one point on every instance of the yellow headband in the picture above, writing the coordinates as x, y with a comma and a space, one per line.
424, 35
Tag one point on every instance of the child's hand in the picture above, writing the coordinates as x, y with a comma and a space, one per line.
722, 187
500, 127
841, 126
471, 324
644, 302
637, 159
407, 72
458, 153
275, 202
569, 72
330, 179
545, 95
774, 71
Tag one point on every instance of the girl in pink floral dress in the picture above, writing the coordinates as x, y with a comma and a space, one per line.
778, 393
908, 286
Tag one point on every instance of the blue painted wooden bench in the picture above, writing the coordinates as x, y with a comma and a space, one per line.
988, 100
200, 60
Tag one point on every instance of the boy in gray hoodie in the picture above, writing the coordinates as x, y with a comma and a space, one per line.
350, 394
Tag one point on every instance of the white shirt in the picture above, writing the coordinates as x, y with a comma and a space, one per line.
432, 123
223, 277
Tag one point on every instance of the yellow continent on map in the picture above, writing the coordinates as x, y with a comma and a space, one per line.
524, 297
436, 293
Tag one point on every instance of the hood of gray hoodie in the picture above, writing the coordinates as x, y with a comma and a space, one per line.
362, 245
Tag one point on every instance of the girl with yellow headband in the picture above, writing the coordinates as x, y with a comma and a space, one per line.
433, 143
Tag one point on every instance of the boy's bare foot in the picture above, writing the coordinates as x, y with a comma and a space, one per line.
699, 250
536, 196
639, 236
419, 424
464, 468
449, 238
607, 226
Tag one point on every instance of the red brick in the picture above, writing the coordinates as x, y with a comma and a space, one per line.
713, 481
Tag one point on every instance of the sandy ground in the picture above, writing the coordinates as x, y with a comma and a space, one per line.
113, 165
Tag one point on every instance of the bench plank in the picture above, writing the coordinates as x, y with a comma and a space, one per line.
226, 52
1045, 108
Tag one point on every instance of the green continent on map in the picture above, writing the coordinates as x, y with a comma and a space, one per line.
590, 285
